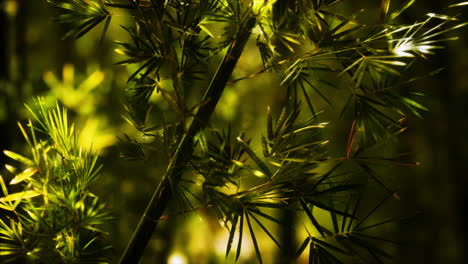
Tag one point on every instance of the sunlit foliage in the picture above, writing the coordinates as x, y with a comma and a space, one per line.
182, 55
51, 212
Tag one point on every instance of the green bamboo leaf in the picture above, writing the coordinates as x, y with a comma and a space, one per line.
104, 30
263, 167
258, 173
269, 124
82, 17
7, 206
19, 196
3, 185
376, 238
18, 157
265, 204
328, 245
232, 233
265, 148
280, 123
317, 90
354, 213
371, 212
325, 176
27, 173
392, 220
345, 218
269, 217
384, 8
206, 30
334, 218
265, 229
400, 10
254, 240
25, 135
326, 256
414, 104
10, 168
459, 4
239, 241
239, 164
8, 249
327, 208
303, 246
373, 249
306, 96
372, 174
311, 217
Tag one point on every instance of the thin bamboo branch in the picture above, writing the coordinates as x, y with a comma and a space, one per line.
183, 154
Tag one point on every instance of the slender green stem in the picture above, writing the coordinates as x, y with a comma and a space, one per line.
183, 154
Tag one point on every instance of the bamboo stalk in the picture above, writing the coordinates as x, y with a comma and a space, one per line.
183, 154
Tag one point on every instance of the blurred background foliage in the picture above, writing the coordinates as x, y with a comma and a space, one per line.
35, 60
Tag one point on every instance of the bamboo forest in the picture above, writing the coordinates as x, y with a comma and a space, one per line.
233, 131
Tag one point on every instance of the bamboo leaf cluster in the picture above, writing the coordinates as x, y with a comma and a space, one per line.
49, 213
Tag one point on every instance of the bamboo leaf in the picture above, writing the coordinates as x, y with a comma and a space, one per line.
311, 217
384, 8
303, 246
19, 196
27, 173
206, 30
405, 6
232, 233
239, 241
254, 240
104, 30
269, 124
269, 217
354, 213
264, 229
459, 4
18, 157
3, 185
371, 212
263, 167
328, 245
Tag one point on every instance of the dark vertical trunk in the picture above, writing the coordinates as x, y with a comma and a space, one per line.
4, 43
440, 188
287, 238
4, 79
12, 75
455, 110
453, 94
21, 48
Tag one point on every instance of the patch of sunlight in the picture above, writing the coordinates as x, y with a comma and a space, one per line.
198, 226
228, 104
91, 82
262, 6
11, 8
403, 50
323, 217
308, 230
222, 239
94, 134
75, 96
177, 258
